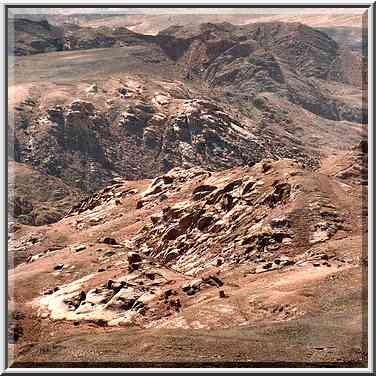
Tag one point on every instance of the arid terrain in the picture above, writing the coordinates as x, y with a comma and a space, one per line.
187, 195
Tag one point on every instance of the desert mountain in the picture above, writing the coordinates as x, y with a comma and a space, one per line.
217, 92
149, 21
197, 193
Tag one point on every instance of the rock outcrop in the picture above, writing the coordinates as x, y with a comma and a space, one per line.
274, 217
28, 37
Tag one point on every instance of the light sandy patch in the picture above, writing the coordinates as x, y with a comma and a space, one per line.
17, 93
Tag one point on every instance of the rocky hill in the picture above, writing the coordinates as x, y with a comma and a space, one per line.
27, 37
137, 128
272, 245
292, 60
213, 95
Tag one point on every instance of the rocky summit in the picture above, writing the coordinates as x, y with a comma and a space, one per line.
192, 195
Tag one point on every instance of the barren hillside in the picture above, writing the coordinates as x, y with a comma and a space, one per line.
192, 195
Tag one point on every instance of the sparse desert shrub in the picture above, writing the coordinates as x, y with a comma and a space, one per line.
20, 205
259, 103
252, 60
15, 330
24, 122
42, 216
24, 219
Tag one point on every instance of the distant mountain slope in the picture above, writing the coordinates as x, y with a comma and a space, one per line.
31, 37
213, 95
246, 60
288, 59
153, 23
